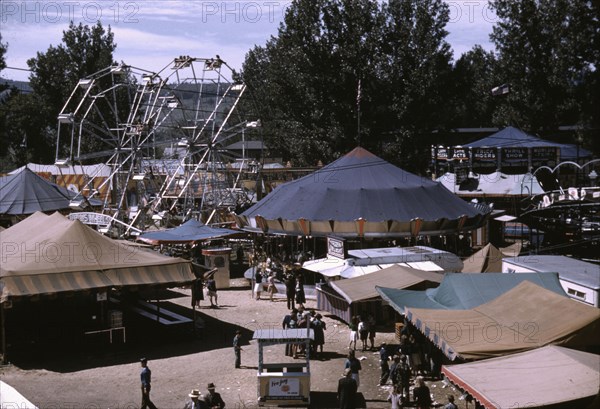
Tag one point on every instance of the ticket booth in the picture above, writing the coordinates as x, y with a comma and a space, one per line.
283, 383
218, 258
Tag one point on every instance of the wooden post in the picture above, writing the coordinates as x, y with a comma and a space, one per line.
3, 335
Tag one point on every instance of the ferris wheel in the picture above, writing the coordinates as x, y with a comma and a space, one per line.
163, 135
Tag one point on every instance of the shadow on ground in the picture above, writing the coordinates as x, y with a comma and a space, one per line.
51, 334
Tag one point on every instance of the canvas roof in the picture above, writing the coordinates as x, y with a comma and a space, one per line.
493, 184
511, 137
11, 398
51, 254
524, 318
363, 287
464, 291
358, 195
489, 259
537, 378
26, 192
189, 232
100, 169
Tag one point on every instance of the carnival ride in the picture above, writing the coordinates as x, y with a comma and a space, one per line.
164, 136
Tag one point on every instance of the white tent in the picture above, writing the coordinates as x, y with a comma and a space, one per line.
11, 398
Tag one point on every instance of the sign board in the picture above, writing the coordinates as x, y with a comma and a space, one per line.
101, 296
96, 219
281, 387
336, 247
514, 154
460, 154
442, 154
485, 154
544, 153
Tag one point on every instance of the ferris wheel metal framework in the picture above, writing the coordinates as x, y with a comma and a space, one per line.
164, 137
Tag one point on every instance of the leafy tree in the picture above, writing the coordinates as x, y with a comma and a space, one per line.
545, 52
84, 51
339, 66
473, 77
307, 78
417, 72
3, 48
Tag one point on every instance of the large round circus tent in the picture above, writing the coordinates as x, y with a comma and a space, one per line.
362, 195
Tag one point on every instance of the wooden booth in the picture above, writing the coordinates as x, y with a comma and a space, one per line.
283, 383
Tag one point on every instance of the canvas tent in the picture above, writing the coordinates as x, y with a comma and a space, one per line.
25, 193
361, 195
345, 298
45, 255
489, 259
367, 261
464, 291
189, 232
524, 318
11, 398
543, 377
511, 137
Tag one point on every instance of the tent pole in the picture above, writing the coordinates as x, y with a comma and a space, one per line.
3, 336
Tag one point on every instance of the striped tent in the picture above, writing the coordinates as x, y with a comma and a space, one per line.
45, 255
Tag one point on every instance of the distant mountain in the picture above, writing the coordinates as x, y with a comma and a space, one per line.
23, 86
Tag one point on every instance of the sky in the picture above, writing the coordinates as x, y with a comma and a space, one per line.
150, 33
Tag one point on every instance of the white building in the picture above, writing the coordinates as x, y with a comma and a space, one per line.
580, 279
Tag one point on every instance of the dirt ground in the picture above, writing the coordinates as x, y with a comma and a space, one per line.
107, 376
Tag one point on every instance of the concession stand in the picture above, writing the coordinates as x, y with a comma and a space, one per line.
283, 383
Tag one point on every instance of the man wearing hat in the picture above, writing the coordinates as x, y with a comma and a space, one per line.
195, 402
213, 399
146, 378
347, 388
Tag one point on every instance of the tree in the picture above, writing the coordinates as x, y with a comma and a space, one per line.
417, 71
346, 72
84, 51
545, 53
3, 48
307, 78
473, 77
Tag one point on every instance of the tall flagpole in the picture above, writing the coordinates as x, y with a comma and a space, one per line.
358, 96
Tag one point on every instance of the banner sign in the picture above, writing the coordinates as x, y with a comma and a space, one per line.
96, 219
284, 387
514, 154
460, 154
442, 154
485, 154
545, 153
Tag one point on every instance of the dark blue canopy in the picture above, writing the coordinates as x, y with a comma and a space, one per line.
359, 186
511, 137
26, 192
189, 232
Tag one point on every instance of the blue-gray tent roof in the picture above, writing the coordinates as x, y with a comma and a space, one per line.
511, 137
188, 232
361, 185
465, 291
26, 193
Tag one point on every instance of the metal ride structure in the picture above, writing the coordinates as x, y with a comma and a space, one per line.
164, 137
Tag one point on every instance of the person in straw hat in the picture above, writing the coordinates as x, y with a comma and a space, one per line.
213, 399
195, 402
